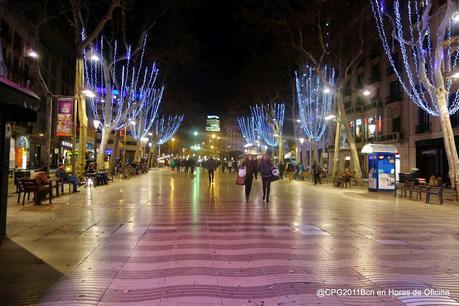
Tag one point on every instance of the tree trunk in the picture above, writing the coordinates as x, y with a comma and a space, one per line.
49, 130
106, 131
138, 151
313, 155
448, 138
281, 148
335, 162
350, 140
114, 151
83, 119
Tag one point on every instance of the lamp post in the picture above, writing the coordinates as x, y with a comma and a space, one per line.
301, 149
96, 128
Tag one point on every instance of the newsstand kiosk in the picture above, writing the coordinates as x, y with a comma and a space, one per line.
381, 166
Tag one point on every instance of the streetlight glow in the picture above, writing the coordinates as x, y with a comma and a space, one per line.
132, 122
455, 16
330, 117
301, 140
95, 58
195, 133
89, 93
32, 54
455, 75
366, 93
96, 123
326, 90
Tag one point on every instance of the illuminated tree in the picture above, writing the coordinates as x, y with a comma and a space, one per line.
120, 95
165, 128
249, 130
269, 120
314, 100
429, 59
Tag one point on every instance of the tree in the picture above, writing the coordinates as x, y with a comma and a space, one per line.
429, 60
141, 120
165, 128
83, 38
269, 120
325, 49
314, 100
248, 128
120, 94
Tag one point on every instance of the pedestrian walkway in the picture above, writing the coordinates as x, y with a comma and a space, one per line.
159, 239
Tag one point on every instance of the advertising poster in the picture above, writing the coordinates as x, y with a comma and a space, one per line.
64, 117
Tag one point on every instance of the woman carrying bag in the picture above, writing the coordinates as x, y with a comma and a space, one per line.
249, 166
267, 175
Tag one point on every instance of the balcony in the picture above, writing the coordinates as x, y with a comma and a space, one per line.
396, 136
394, 98
423, 128
373, 104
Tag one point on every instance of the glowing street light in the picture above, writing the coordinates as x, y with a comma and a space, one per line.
301, 140
327, 90
96, 123
89, 93
213, 136
455, 75
150, 134
32, 54
95, 58
330, 117
366, 93
132, 122
195, 133
455, 16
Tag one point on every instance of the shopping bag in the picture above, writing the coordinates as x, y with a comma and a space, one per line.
240, 180
242, 172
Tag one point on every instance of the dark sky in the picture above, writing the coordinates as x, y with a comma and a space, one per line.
220, 54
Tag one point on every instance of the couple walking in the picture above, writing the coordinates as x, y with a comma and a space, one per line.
265, 169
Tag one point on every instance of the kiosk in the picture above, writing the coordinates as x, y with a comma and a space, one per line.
382, 161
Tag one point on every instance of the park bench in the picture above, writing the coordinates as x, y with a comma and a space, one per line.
31, 186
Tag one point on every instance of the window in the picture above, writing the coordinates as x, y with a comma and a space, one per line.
396, 124
375, 73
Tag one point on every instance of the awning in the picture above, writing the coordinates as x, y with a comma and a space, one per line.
379, 148
19, 103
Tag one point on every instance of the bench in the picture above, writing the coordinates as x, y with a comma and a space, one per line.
31, 186
436, 191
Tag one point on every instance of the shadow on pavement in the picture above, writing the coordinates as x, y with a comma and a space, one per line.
24, 278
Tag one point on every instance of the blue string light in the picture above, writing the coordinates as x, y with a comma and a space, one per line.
248, 129
166, 127
427, 65
314, 100
269, 122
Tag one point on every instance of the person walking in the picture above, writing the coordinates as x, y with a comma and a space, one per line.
316, 173
250, 170
266, 168
211, 167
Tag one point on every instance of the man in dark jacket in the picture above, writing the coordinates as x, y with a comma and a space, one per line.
316, 173
211, 166
62, 174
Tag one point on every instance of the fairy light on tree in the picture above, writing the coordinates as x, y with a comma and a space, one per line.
249, 130
120, 90
165, 128
429, 59
141, 122
269, 120
314, 99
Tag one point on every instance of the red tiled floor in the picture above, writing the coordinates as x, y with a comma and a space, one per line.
177, 241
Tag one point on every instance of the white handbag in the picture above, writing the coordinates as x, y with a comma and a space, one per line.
275, 172
242, 172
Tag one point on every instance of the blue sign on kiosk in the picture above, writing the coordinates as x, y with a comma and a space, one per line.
381, 166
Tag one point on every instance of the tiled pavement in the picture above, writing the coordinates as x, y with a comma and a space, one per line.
162, 240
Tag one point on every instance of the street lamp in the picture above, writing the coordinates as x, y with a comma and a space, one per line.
95, 57
32, 54
326, 90
88, 93
301, 149
330, 117
195, 133
366, 93
455, 16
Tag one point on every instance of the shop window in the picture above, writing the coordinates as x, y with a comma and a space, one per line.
371, 123
358, 130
